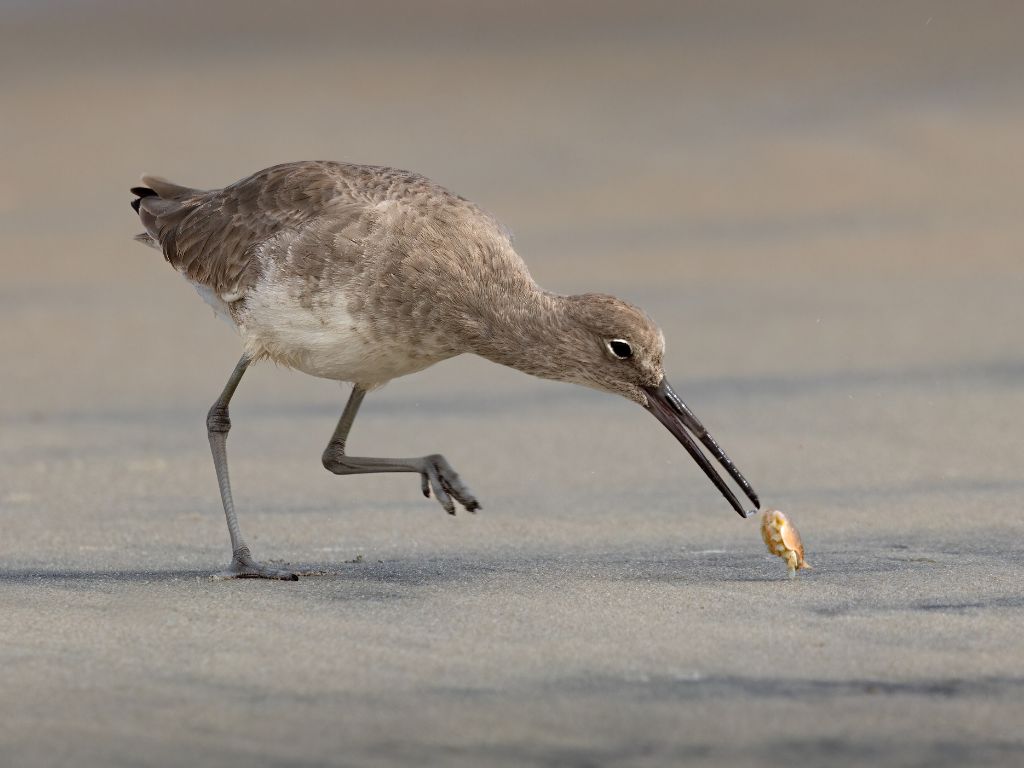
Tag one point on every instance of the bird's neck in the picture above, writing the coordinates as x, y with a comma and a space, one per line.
523, 328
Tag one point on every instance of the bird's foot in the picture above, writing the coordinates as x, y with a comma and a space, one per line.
244, 567
437, 474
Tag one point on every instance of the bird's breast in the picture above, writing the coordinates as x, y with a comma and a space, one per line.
318, 332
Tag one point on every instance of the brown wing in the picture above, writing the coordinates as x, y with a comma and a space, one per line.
211, 236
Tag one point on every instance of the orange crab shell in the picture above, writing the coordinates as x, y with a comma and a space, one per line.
783, 539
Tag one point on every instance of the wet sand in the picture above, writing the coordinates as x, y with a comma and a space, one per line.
820, 205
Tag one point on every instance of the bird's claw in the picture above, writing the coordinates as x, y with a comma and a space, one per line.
244, 567
438, 475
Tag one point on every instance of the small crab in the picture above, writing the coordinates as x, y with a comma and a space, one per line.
783, 540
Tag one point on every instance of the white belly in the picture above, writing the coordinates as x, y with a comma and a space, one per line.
320, 338
220, 306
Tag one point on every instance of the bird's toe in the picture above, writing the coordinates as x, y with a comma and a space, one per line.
457, 489
439, 476
244, 567
435, 483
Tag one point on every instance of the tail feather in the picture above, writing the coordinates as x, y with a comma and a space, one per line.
161, 188
145, 239
141, 192
158, 203
158, 214
168, 190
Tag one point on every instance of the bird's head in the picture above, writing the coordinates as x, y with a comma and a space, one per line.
609, 344
603, 343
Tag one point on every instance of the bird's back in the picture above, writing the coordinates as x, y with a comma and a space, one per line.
213, 236
314, 255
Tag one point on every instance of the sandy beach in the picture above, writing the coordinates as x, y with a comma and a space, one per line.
821, 204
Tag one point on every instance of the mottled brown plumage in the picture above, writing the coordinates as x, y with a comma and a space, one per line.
212, 236
362, 274
416, 273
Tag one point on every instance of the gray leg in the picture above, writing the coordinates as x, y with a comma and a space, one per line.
217, 426
434, 470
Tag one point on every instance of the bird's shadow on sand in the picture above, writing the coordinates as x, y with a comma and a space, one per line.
682, 568
28, 576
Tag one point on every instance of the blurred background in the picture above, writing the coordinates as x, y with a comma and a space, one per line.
822, 203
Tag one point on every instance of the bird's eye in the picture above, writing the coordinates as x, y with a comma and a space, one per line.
620, 348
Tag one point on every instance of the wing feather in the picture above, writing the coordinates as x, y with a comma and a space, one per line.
214, 237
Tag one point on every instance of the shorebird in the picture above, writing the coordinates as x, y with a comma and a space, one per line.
364, 273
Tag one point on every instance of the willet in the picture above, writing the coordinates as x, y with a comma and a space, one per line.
362, 274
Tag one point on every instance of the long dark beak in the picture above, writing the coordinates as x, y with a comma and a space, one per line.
680, 421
